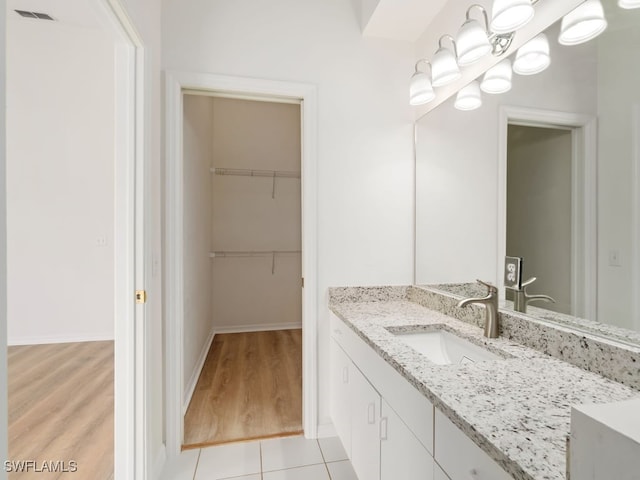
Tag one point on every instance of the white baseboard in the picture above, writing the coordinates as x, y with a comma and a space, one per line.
45, 339
326, 430
195, 375
258, 327
159, 463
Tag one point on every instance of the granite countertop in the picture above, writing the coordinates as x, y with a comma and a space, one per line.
517, 409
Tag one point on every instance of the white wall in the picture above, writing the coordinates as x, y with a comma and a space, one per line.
197, 145
463, 146
365, 163
60, 173
617, 95
256, 135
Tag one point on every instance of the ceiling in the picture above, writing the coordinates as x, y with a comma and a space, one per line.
82, 13
401, 19
393, 19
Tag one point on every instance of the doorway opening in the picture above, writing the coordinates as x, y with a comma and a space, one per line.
242, 269
176, 296
547, 204
74, 140
540, 211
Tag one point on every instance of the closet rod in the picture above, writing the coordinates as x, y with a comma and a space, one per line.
254, 253
254, 173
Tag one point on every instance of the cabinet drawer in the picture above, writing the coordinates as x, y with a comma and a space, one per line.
415, 410
459, 457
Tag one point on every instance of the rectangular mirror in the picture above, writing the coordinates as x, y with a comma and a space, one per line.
550, 172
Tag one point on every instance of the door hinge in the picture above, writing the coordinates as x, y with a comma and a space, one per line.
302, 282
141, 296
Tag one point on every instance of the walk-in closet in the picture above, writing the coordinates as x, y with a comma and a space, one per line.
242, 335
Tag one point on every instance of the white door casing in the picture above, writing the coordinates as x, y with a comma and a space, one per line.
176, 83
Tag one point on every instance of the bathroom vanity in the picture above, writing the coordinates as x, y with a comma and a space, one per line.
402, 413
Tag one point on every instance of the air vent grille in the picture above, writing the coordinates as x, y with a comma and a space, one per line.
39, 16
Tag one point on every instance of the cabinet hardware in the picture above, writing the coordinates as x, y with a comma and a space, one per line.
383, 428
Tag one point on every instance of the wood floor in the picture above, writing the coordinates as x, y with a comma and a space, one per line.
61, 408
250, 387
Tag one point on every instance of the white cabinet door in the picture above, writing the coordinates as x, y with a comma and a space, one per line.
459, 457
365, 427
340, 406
402, 455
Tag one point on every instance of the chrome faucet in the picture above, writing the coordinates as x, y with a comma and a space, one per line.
492, 319
521, 298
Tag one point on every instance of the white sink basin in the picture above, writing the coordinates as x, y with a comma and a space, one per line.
445, 348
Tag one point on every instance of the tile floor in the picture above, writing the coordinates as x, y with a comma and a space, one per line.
290, 458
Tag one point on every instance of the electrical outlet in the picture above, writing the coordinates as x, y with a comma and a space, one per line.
101, 241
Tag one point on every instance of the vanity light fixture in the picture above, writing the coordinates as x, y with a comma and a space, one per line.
498, 78
444, 68
628, 4
583, 23
469, 97
510, 15
533, 57
472, 40
420, 89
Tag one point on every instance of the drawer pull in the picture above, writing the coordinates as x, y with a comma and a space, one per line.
345, 374
371, 414
383, 428
473, 474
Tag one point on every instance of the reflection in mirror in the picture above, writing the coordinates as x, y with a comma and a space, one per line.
518, 177
539, 202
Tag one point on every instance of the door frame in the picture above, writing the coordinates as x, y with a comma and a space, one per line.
584, 229
176, 83
635, 238
131, 345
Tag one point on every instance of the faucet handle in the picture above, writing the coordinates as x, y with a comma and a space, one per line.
528, 282
491, 288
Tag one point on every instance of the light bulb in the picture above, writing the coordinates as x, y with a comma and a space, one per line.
469, 97
509, 15
583, 23
533, 56
420, 89
444, 68
498, 78
472, 42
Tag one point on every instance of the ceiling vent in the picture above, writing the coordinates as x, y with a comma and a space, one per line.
39, 16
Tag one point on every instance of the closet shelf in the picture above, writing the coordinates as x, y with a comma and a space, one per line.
255, 253
255, 173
